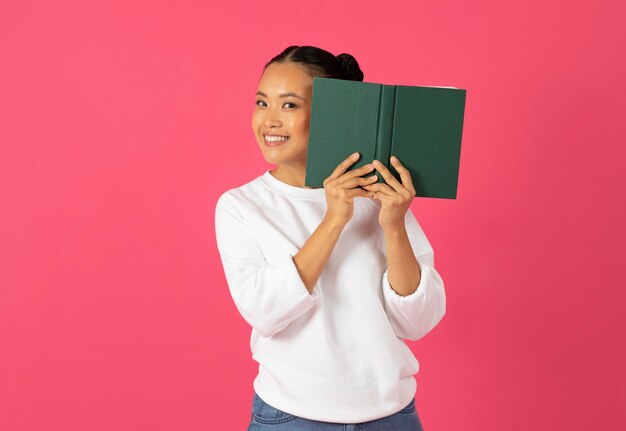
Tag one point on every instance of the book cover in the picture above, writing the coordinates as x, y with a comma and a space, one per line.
422, 126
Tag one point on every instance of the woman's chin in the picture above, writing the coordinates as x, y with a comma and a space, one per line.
273, 159
274, 155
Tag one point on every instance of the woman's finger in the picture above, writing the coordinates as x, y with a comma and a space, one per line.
405, 175
359, 192
381, 188
388, 176
343, 166
355, 173
358, 181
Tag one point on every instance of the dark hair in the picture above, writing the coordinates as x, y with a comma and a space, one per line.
320, 62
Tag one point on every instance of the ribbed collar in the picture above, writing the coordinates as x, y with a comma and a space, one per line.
292, 191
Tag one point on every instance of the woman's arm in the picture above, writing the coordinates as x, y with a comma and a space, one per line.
417, 302
341, 189
269, 295
314, 254
415, 311
403, 269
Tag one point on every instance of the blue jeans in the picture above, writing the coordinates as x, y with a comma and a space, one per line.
268, 418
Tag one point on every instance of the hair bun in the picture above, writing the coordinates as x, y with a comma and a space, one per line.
350, 67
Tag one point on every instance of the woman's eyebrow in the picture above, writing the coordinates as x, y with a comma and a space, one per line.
283, 95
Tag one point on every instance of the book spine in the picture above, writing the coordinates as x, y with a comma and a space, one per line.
385, 125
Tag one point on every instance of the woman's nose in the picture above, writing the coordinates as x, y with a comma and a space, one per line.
271, 119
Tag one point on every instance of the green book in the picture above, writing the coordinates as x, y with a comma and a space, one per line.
421, 126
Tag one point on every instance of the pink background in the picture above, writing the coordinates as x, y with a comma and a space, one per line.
121, 124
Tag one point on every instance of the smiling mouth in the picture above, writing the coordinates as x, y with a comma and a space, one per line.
273, 141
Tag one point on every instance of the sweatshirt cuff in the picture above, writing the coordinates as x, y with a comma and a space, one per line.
282, 298
286, 261
393, 296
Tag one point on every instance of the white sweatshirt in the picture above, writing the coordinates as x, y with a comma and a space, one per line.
336, 354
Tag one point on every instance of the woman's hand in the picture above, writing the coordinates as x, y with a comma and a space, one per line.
395, 197
342, 187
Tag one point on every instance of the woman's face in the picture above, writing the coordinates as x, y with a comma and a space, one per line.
282, 109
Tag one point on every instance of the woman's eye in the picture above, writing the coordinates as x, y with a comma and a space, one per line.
288, 103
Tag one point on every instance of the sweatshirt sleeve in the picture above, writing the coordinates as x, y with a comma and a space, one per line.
415, 315
268, 295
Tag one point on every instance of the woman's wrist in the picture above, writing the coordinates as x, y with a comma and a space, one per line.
333, 223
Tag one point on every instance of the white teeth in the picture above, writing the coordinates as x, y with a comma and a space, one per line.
275, 138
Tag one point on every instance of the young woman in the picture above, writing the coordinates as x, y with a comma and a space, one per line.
331, 279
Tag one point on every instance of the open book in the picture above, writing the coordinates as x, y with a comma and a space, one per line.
421, 126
